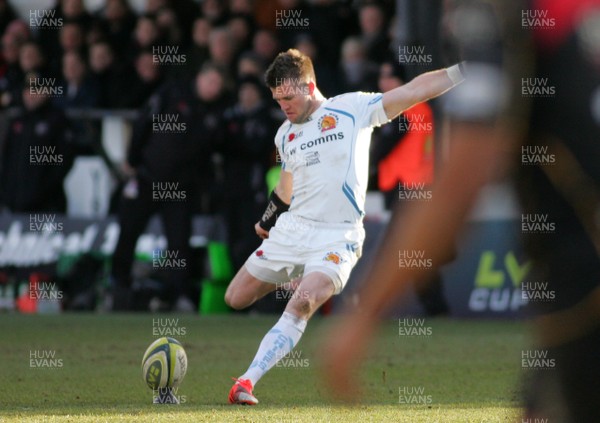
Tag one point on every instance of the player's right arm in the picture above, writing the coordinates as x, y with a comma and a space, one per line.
279, 202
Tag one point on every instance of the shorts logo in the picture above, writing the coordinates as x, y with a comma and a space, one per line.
328, 122
260, 254
334, 258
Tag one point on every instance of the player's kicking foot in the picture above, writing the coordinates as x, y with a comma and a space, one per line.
241, 393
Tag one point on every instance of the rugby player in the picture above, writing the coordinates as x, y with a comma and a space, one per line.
312, 228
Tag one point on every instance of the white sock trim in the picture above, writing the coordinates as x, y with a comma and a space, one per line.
298, 322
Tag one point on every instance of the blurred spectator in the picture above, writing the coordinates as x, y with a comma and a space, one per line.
95, 33
145, 36
31, 59
357, 72
266, 45
250, 63
241, 28
18, 29
152, 6
71, 37
198, 52
169, 27
215, 11
35, 158
247, 150
243, 7
148, 77
114, 78
80, 90
71, 13
221, 47
187, 12
163, 155
15, 35
374, 32
212, 87
117, 21
10, 48
74, 11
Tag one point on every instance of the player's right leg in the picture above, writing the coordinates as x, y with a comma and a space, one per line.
312, 291
245, 289
276, 263
242, 292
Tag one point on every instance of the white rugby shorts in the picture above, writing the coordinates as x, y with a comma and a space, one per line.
297, 246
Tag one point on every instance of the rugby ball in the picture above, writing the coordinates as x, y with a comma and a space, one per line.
164, 364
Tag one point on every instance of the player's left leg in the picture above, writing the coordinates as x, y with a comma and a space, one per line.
313, 290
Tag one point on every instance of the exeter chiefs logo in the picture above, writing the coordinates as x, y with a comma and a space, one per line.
327, 122
334, 258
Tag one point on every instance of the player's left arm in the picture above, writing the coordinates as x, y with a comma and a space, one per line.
422, 88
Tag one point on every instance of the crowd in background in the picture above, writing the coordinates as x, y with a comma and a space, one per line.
106, 58
202, 62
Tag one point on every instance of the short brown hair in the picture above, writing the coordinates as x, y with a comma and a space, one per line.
289, 64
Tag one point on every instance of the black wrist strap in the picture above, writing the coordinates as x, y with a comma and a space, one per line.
275, 207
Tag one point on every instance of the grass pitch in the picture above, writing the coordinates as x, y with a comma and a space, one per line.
461, 371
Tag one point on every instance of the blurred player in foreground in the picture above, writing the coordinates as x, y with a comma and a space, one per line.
312, 227
552, 124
